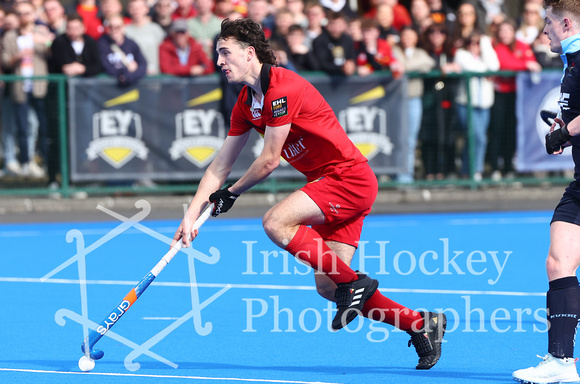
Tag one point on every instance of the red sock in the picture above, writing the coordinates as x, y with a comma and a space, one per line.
308, 246
381, 308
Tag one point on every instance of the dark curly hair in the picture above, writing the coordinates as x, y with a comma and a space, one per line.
248, 33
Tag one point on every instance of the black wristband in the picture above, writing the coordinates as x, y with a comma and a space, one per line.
565, 133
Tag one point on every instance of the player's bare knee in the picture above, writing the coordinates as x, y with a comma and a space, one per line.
551, 265
559, 267
273, 228
268, 222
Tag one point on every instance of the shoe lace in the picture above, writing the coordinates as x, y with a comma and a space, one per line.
546, 359
421, 342
343, 295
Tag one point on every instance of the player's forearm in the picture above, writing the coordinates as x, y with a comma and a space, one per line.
211, 181
574, 127
260, 169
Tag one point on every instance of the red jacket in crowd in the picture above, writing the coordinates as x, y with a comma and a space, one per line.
512, 60
169, 60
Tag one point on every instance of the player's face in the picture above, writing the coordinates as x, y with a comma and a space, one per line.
554, 30
233, 59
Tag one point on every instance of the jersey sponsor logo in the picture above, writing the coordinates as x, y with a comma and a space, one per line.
199, 134
293, 150
280, 107
117, 137
256, 113
290, 153
258, 147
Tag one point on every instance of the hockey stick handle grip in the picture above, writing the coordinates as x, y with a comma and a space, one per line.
133, 295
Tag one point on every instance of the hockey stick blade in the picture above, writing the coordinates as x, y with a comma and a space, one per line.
548, 116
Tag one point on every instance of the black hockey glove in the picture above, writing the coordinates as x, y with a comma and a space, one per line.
223, 200
557, 138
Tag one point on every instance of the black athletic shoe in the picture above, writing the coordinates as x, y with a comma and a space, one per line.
350, 299
428, 340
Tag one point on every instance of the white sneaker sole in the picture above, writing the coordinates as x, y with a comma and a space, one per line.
554, 380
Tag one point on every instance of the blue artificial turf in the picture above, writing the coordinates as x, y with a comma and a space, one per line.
250, 313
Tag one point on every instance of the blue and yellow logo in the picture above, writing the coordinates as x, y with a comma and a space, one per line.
199, 133
117, 133
367, 125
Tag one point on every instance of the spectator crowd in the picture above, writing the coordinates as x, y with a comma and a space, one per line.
139, 38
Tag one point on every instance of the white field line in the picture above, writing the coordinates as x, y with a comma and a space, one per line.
164, 376
266, 286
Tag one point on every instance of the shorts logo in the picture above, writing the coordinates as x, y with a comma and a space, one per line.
280, 107
334, 208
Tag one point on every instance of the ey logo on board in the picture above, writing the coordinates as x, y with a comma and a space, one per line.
199, 133
117, 133
367, 125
